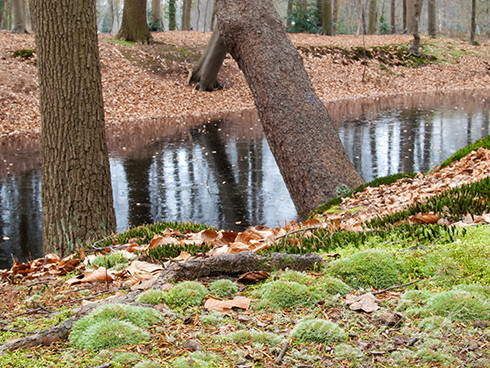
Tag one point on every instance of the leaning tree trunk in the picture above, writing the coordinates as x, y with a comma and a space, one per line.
473, 21
302, 138
372, 18
431, 18
19, 8
134, 27
205, 73
327, 17
77, 200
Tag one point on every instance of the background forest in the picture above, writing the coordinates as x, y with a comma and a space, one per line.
452, 17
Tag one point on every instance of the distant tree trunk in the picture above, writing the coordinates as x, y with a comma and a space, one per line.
431, 18
19, 7
2, 8
373, 18
205, 16
335, 16
134, 27
302, 138
205, 73
404, 16
393, 16
198, 8
327, 19
172, 22
156, 16
77, 200
186, 15
289, 12
473, 21
413, 10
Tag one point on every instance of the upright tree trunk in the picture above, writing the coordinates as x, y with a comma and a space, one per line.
336, 12
289, 12
205, 73
2, 8
172, 22
19, 7
413, 10
373, 18
404, 16
198, 8
76, 182
156, 16
393, 16
327, 19
205, 16
431, 18
302, 138
186, 15
473, 21
134, 27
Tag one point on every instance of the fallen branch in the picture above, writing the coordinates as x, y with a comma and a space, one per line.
18, 331
282, 353
395, 287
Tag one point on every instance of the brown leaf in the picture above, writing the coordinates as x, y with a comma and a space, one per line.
225, 306
253, 277
365, 302
424, 218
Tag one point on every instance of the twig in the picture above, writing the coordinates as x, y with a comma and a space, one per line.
395, 287
282, 353
298, 231
19, 331
88, 297
105, 365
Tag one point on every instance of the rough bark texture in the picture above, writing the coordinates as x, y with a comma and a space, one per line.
305, 145
186, 15
372, 18
205, 73
336, 11
327, 17
473, 21
236, 264
19, 8
76, 183
156, 16
431, 18
134, 27
404, 16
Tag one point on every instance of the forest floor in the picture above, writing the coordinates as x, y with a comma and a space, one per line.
150, 81
422, 234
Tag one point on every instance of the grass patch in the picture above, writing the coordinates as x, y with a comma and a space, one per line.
484, 142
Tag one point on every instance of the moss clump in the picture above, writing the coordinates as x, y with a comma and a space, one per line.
299, 277
435, 324
483, 290
24, 53
148, 364
197, 359
265, 338
460, 305
110, 333
110, 260
370, 268
126, 358
85, 331
151, 296
223, 288
186, 294
330, 286
287, 294
318, 330
418, 296
346, 351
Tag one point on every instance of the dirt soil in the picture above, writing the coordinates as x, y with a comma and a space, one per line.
150, 81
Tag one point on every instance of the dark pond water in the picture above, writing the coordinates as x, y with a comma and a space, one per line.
221, 172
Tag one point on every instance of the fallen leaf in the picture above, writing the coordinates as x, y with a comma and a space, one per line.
365, 302
253, 277
225, 306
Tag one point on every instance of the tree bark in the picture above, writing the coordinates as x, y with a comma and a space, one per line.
289, 12
77, 200
205, 73
404, 16
19, 8
305, 145
186, 15
431, 18
156, 16
372, 18
327, 17
413, 10
172, 22
393, 16
336, 11
134, 27
473, 21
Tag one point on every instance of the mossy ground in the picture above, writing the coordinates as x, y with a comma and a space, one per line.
432, 332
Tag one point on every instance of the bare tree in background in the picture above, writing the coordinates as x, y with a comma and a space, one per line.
327, 17
19, 7
186, 15
156, 22
431, 18
473, 22
134, 27
372, 18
